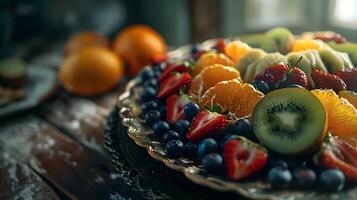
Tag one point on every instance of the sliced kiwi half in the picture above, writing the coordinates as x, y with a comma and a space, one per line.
290, 121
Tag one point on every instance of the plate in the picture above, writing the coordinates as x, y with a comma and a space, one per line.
129, 111
40, 84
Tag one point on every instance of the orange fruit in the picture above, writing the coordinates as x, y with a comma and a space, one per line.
85, 39
236, 50
342, 116
136, 45
211, 58
209, 76
233, 97
350, 96
306, 44
91, 71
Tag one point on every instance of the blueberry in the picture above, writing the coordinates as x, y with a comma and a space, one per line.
191, 149
191, 109
244, 128
279, 177
304, 177
163, 111
332, 180
152, 116
149, 105
160, 127
195, 48
148, 94
277, 163
261, 86
181, 126
227, 139
174, 148
157, 74
160, 67
171, 135
146, 74
207, 146
151, 83
212, 162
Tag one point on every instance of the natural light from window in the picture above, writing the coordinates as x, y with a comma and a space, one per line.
344, 13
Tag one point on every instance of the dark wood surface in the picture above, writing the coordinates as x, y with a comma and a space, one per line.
55, 151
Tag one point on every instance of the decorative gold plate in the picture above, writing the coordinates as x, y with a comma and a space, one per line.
129, 110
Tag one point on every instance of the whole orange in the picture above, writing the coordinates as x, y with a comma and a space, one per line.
91, 71
85, 39
136, 45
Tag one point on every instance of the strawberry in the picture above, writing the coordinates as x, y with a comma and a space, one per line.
172, 84
243, 158
296, 76
158, 58
336, 153
175, 108
220, 45
349, 76
206, 124
325, 80
172, 69
272, 75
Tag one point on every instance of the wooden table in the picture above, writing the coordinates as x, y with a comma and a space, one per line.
55, 151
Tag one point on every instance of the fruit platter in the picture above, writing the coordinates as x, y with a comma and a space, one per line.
268, 116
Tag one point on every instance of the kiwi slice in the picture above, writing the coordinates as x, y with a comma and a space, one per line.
290, 121
250, 57
260, 41
331, 59
349, 48
282, 37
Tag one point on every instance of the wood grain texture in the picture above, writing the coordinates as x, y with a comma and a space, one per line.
19, 181
77, 171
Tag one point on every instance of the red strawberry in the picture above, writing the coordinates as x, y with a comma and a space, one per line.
325, 80
206, 124
349, 76
335, 37
243, 158
220, 45
172, 69
272, 75
172, 84
158, 58
296, 76
175, 105
336, 153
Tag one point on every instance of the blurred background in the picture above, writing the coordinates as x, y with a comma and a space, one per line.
29, 22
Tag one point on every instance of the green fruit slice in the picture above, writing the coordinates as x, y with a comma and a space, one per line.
290, 121
250, 57
282, 37
349, 48
261, 41
331, 59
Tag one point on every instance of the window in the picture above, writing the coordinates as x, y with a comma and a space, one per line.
263, 14
344, 13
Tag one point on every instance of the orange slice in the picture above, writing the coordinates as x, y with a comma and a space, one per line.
211, 58
306, 44
342, 116
350, 96
233, 97
209, 76
236, 50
